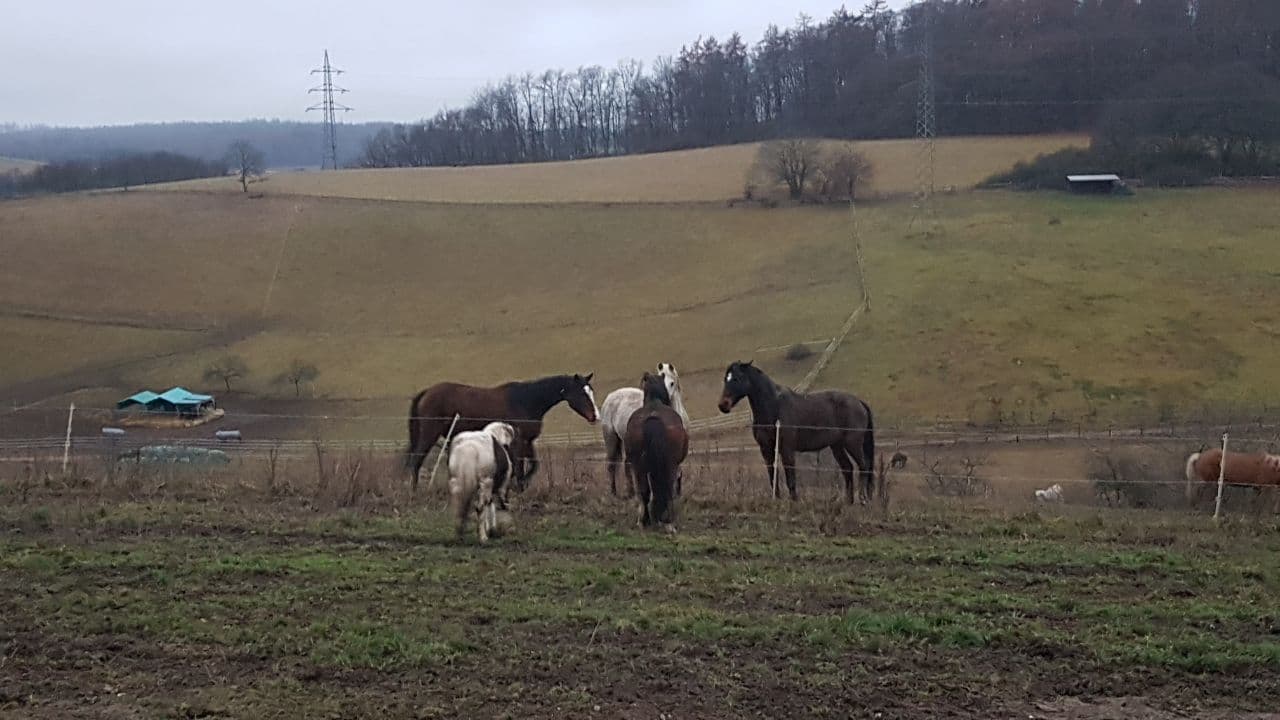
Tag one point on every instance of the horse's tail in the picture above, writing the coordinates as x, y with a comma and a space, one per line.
1192, 476
413, 454
656, 465
869, 452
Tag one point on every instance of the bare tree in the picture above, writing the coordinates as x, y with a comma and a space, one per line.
299, 372
843, 168
790, 162
226, 369
247, 160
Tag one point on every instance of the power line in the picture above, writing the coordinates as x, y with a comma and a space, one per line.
328, 107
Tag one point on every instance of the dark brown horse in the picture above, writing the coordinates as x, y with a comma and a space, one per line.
656, 443
522, 404
810, 423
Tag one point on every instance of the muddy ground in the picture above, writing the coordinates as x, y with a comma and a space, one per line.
225, 596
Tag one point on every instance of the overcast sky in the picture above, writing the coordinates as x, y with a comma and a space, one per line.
97, 62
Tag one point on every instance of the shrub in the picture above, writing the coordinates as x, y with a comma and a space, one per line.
1138, 477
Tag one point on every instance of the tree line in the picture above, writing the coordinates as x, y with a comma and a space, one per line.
998, 67
118, 171
288, 144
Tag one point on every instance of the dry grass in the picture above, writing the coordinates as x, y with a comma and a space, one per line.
41, 347
703, 175
1002, 316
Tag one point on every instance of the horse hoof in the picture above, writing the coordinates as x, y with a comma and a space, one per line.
668, 528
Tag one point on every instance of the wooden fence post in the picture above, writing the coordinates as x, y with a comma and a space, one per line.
66, 446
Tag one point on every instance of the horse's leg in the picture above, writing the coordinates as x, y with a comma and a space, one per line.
630, 473
767, 454
528, 466
461, 506
613, 454
484, 496
846, 469
429, 433
866, 471
787, 454
642, 492
673, 492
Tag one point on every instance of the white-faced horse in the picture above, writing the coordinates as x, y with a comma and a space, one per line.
479, 461
616, 412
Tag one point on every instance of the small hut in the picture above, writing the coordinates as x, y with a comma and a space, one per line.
1106, 184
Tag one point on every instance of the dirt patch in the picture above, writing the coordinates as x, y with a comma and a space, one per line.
1126, 708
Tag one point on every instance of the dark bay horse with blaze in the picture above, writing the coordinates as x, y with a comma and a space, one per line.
1257, 470
656, 443
520, 404
810, 423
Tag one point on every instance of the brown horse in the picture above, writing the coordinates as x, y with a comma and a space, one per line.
810, 423
521, 404
1256, 470
656, 443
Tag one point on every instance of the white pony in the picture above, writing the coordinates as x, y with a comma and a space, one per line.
617, 410
1051, 494
479, 462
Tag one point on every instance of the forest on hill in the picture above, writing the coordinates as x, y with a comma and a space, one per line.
998, 67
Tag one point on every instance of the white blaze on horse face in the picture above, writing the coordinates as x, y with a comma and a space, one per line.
592, 397
728, 377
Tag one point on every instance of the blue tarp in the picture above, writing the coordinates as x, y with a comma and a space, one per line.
183, 396
174, 397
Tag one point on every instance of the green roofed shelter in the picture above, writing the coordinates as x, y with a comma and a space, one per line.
175, 400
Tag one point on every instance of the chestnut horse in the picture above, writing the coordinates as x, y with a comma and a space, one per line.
656, 443
1256, 470
810, 423
521, 404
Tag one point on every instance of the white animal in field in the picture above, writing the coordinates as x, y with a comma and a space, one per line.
1051, 494
616, 412
479, 461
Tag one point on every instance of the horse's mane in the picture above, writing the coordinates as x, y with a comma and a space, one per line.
524, 391
762, 379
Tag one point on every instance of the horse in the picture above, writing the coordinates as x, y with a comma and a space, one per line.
617, 410
656, 444
479, 461
520, 404
1256, 470
810, 422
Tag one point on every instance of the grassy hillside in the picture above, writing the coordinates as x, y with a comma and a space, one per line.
1023, 305
711, 174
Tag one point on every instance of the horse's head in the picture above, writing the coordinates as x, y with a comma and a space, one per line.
671, 377
655, 388
502, 432
577, 392
737, 384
